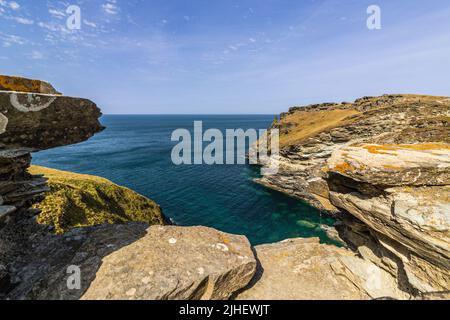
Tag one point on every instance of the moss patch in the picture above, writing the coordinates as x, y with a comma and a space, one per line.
78, 200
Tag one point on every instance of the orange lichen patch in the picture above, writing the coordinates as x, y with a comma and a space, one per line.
344, 167
377, 149
380, 149
306, 124
9, 83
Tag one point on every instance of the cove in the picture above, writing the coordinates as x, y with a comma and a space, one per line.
135, 152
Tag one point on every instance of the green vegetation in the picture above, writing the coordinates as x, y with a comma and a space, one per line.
77, 200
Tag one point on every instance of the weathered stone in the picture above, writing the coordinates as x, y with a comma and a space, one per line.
304, 269
41, 121
394, 165
176, 263
5, 211
382, 166
19, 84
43, 275
33, 116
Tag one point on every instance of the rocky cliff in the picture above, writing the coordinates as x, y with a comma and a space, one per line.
381, 165
33, 116
115, 261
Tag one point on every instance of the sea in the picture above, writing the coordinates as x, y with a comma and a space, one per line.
135, 151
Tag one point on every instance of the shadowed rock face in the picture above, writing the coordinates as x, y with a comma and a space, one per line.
382, 165
37, 121
33, 116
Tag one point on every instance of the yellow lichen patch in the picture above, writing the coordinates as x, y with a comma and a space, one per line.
391, 167
10, 83
305, 124
78, 200
425, 146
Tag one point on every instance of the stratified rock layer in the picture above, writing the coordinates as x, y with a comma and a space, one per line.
381, 165
32, 121
176, 263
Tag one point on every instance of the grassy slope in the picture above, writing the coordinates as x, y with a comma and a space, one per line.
305, 124
78, 200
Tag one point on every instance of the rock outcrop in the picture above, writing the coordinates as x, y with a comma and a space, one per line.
304, 269
113, 261
381, 165
80, 200
132, 261
176, 263
33, 116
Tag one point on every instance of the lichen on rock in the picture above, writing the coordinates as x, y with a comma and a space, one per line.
384, 170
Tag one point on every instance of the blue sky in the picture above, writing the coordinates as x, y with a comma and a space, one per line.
227, 56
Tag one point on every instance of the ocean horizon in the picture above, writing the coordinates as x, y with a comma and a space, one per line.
135, 151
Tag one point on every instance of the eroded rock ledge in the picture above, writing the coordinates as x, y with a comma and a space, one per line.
381, 165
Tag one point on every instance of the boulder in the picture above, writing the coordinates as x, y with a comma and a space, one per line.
176, 263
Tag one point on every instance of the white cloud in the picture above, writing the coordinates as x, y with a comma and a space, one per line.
10, 4
14, 5
23, 20
36, 55
8, 40
90, 24
110, 7
57, 13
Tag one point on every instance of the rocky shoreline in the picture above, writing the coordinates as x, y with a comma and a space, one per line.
380, 165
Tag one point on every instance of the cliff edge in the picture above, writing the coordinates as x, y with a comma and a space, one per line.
382, 166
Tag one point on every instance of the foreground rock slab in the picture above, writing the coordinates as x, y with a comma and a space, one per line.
196, 263
304, 269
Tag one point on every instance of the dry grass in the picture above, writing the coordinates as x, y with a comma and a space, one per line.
305, 124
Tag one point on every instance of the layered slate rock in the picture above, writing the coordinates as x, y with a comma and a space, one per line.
409, 213
304, 269
194, 263
381, 165
33, 117
309, 135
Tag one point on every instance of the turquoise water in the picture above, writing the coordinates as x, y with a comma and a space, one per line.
135, 151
